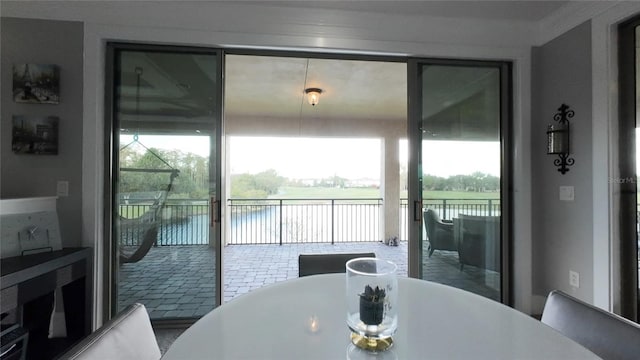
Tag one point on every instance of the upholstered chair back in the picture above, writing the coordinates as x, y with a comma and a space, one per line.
128, 336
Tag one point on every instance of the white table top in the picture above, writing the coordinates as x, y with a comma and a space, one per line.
434, 322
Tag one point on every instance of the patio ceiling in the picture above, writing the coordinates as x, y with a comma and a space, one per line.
273, 87
266, 88
261, 86
181, 89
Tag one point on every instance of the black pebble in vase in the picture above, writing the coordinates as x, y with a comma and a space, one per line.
372, 305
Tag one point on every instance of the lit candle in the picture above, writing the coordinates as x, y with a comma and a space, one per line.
314, 324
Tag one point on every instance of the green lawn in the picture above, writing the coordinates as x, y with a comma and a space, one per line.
458, 195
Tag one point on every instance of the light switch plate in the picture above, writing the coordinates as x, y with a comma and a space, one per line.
62, 188
574, 279
566, 193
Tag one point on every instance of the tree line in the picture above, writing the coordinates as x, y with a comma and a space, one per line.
193, 179
256, 186
477, 182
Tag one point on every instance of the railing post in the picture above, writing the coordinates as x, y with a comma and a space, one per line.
444, 208
159, 236
490, 207
332, 220
280, 222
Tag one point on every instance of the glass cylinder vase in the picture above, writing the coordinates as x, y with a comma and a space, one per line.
372, 295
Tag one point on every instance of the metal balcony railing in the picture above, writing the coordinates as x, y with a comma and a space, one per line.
180, 222
285, 221
289, 221
449, 209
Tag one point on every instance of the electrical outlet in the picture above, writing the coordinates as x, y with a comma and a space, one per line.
574, 279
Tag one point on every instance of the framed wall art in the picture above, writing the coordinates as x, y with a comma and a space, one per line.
35, 135
36, 83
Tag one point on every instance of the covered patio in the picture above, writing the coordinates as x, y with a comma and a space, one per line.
179, 281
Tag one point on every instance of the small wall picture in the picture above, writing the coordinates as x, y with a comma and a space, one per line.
35, 135
36, 83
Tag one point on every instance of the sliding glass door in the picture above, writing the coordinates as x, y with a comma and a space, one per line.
165, 171
459, 114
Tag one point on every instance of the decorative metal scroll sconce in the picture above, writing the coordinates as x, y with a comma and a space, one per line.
558, 138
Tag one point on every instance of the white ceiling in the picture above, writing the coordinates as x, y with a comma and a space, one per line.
264, 87
522, 10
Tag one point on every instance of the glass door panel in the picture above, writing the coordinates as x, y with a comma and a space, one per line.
637, 204
459, 178
165, 171
623, 180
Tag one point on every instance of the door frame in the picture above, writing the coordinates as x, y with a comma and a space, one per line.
414, 168
111, 148
626, 173
414, 133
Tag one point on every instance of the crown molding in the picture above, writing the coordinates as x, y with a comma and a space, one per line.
569, 16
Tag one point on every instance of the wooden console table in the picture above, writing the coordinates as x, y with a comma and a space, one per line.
27, 286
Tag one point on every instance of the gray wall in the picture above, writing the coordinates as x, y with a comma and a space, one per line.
562, 237
21, 175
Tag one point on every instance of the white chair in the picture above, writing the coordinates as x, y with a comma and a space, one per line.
606, 334
128, 336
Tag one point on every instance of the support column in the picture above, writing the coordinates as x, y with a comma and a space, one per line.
390, 187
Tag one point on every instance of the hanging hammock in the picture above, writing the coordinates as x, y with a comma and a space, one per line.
139, 234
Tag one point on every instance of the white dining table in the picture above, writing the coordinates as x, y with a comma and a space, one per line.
305, 318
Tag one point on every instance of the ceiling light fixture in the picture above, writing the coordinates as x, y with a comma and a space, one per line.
313, 95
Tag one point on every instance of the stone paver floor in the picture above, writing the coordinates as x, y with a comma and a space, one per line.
248, 267
179, 281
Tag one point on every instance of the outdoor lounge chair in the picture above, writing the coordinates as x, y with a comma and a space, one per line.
479, 241
439, 232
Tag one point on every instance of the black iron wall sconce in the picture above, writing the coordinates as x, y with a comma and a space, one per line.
558, 138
